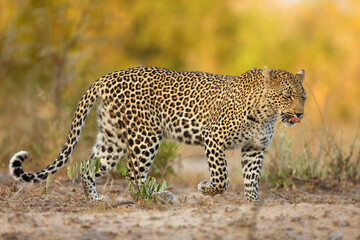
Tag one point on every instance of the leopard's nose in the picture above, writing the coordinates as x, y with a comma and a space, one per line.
299, 115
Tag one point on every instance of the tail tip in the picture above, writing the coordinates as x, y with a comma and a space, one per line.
19, 157
16, 162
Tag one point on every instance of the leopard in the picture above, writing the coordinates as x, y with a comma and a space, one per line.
141, 106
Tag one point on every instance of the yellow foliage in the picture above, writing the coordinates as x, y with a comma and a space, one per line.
56, 48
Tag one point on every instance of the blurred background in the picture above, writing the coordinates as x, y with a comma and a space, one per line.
51, 51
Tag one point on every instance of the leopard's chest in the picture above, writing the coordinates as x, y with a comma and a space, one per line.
255, 133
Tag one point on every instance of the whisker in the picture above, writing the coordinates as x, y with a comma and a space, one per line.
306, 116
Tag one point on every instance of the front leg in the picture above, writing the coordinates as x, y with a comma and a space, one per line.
219, 180
251, 161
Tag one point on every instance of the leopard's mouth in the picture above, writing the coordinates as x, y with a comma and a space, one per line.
289, 120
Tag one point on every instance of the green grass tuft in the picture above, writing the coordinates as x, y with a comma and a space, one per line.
330, 165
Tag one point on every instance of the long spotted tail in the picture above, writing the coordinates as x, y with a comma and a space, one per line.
82, 110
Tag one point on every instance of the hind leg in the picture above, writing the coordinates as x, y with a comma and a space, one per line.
109, 155
110, 148
143, 148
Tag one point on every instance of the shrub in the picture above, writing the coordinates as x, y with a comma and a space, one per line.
330, 164
163, 162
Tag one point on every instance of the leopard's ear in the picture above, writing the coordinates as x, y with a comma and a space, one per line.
269, 80
300, 76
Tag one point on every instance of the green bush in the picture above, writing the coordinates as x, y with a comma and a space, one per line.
163, 162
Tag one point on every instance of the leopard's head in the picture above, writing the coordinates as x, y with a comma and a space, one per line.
286, 94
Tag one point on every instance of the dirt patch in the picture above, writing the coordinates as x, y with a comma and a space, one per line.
63, 213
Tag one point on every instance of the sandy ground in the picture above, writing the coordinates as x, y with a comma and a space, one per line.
27, 213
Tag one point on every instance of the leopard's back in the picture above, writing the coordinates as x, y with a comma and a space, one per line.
177, 102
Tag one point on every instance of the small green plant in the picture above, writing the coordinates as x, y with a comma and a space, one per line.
147, 191
121, 169
48, 182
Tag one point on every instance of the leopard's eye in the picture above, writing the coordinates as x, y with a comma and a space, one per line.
286, 93
304, 97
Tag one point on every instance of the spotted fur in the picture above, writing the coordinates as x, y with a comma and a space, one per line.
141, 106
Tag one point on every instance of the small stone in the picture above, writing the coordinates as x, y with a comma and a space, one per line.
336, 236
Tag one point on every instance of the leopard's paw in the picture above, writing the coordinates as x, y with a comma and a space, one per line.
254, 198
208, 188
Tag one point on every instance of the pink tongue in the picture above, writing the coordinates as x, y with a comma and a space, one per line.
294, 120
